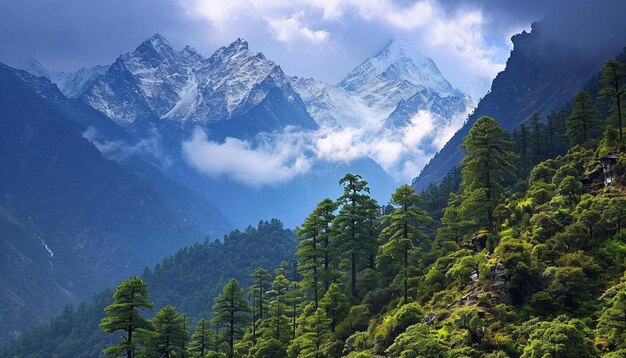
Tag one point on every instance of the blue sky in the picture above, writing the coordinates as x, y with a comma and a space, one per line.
323, 39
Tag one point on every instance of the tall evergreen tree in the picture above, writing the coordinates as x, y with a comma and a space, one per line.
487, 162
277, 325
326, 212
335, 304
231, 311
613, 77
202, 340
522, 150
262, 277
310, 251
123, 315
583, 124
538, 142
353, 227
316, 331
168, 338
404, 228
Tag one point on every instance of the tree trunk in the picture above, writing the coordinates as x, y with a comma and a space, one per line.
315, 271
231, 333
406, 275
353, 274
129, 350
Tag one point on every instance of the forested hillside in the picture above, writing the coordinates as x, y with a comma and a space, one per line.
189, 279
526, 259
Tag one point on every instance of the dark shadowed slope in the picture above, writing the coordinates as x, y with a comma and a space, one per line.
545, 69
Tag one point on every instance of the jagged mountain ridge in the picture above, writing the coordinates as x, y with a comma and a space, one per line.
72, 84
542, 73
398, 78
157, 84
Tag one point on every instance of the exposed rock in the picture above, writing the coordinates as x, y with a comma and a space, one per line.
430, 318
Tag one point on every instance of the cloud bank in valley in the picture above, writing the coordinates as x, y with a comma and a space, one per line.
275, 158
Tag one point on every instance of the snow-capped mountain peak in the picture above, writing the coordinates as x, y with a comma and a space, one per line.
34, 67
155, 82
396, 73
191, 54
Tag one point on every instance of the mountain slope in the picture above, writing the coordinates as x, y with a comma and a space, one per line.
545, 69
396, 73
390, 81
72, 84
191, 278
77, 221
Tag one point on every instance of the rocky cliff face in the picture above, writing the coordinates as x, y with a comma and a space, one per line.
546, 68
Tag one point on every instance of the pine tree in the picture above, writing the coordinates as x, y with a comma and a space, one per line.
353, 227
231, 310
310, 251
405, 228
202, 340
484, 168
316, 331
277, 325
123, 315
537, 128
335, 304
612, 76
262, 276
326, 212
522, 145
583, 124
168, 338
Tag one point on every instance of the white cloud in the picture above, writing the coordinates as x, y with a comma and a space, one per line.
270, 162
274, 158
120, 150
457, 40
290, 29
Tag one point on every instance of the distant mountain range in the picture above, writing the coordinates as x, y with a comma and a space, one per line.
163, 95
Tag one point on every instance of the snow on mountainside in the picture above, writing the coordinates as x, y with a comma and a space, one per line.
72, 84
155, 82
396, 73
332, 106
390, 87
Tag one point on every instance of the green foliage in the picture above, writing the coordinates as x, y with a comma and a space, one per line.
202, 340
314, 248
487, 162
417, 342
270, 348
404, 230
231, 311
583, 124
123, 315
335, 304
167, 336
560, 338
613, 78
354, 227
